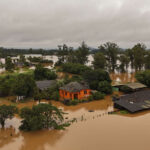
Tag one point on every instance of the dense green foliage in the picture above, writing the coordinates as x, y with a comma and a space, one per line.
74, 68
7, 112
111, 52
98, 96
99, 61
20, 85
24, 85
9, 66
67, 54
39, 60
139, 53
105, 87
42, 116
94, 77
125, 89
41, 73
4, 52
124, 63
143, 77
48, 94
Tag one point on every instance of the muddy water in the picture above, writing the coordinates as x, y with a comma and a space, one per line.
93, 130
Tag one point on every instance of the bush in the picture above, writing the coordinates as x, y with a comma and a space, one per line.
55, 96
90, 98
71, 102
105, 87
98, 96
125, 89
74, 102
143, 77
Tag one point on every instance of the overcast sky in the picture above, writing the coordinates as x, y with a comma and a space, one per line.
48, 23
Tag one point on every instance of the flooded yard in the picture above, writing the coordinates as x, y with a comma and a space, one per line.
96, 130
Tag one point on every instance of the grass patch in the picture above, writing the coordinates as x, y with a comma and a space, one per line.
123, 112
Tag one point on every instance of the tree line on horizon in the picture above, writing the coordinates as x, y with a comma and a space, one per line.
108, 57
105, 57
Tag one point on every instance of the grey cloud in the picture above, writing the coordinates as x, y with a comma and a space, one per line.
47, 23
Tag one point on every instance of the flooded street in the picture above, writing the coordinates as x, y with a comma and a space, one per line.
96, 130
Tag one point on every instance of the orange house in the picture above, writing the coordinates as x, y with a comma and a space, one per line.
74, 90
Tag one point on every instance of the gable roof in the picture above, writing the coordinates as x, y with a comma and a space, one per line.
42, 85
136, 85
75, 86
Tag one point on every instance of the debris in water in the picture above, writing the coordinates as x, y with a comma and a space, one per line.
91, 110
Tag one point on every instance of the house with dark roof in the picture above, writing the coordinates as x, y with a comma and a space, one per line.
74, 90
134, 102
45, 84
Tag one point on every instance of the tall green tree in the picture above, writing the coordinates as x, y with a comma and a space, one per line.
9, 66
7, 112
147, 60
111, 52
22, 59
130, 54
124, 63
99, 61
82, 53
62, 53
139, 53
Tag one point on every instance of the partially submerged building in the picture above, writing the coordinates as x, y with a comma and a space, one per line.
134, 102
133, 86
74, 90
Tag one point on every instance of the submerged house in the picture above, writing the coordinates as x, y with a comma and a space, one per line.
133, 86
45, 84
74, 90
134, 102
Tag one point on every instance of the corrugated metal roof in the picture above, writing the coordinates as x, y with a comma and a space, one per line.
42, 85
135, 85
136, 101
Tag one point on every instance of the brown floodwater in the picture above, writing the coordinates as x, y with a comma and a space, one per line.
92, 131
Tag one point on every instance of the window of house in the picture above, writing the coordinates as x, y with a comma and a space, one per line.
66, 93
85, 92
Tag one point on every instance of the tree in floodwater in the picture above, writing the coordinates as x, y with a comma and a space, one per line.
7, 112
62, 53
9, 66
82, 53
111, 52
124, 63
139, 56
147, 60
143, 77
130, 54
99, 61
42, 116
